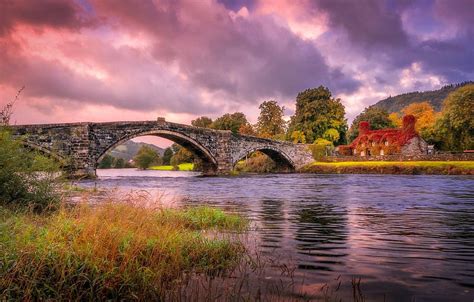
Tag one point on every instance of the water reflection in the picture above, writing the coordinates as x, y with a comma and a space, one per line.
410, 237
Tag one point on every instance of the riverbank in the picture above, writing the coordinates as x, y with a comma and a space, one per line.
181, 167
118, 250
392, 167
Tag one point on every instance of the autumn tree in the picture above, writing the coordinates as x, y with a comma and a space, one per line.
182, 156
202, 121
231, 122
247, 129
425, 118
146, 157
270, 121
455, 127
316, 112
378, 119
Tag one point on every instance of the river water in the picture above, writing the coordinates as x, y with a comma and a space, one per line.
409, 238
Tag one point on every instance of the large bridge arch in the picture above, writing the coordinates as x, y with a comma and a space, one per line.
209, 162
283, 161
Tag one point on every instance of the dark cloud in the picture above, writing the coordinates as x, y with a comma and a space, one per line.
44, 13
248, 57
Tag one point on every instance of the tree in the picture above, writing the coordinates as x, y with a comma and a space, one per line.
167, 156
316, 112
455, 127
298, 137
270, 121
377, 118
321, 147
202, 121
119, 163
146, 157
425, 118
331, 135
396, 119
182, 156
106, 162
231, 122
247, 129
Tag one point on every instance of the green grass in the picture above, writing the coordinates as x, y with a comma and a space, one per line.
392, 167
459, 164
116, 251
181, 167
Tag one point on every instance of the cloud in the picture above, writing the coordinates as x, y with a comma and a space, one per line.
187, 58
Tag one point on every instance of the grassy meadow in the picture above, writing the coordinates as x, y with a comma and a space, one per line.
181, 167
393, 167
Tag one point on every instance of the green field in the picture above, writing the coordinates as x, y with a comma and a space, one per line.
392, 167
181, 167
434, 164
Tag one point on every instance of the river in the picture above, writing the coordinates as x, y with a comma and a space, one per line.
409, 238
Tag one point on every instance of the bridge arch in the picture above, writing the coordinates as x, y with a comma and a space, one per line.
283, 161
209, 162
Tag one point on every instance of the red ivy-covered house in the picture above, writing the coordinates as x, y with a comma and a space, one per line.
403, 140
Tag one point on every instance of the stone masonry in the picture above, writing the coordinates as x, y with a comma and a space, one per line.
80, 146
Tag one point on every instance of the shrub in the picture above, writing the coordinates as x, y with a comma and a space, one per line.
320, 148
27, 178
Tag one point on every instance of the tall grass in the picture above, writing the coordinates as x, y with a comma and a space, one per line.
113, 251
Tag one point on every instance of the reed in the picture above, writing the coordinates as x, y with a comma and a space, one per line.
112, 251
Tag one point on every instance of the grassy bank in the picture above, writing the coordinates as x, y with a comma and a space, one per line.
114, 251
181, 167
392, 167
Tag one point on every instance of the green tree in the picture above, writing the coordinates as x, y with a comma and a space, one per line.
182, 156
455, 127
270, 121
321, 147
202, 121
119, 163
146, 157
167, 156
316, 112
298, 137
231, 122
106, 162
377, 117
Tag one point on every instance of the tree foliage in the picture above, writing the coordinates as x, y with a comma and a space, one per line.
167, 156
27, 178
202, 121
455, 127
183, 155
298, 137
247, 129
377, 117
146, 157
270, 121
231, 122
316, 112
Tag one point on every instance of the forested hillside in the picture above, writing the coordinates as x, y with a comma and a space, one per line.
434, 97
128, 150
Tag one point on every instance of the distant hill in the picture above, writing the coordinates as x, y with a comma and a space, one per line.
434, 97
128, 150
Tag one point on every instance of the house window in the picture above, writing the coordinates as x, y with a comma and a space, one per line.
373, 144
381, 152
386, 143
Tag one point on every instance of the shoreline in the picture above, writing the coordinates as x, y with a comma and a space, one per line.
392, 167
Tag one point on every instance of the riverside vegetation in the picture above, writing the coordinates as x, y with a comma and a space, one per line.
120, 249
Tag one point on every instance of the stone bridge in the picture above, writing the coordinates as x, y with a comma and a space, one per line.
80, 146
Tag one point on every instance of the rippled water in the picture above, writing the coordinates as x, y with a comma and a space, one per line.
410, 238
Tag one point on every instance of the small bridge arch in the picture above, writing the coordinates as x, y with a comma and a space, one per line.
282, 160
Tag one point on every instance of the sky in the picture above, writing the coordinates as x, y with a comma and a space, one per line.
103, 60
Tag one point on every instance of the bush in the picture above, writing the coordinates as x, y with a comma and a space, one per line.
27, 179
320, 148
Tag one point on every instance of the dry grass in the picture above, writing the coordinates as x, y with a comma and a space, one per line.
112, 251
